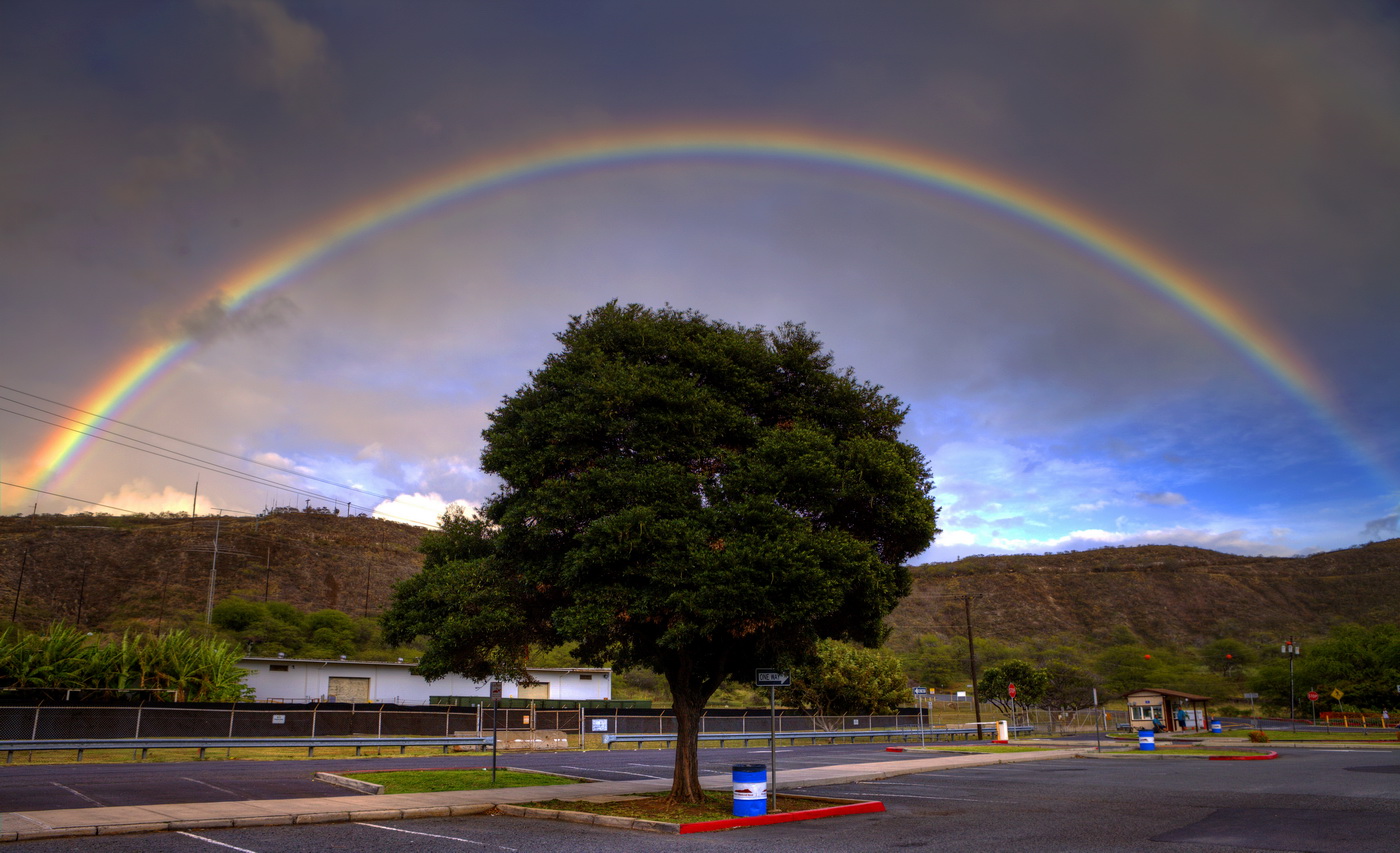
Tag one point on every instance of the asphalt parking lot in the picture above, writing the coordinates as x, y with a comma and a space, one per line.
1324, 800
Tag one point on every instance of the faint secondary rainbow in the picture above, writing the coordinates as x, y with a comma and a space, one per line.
1150, 270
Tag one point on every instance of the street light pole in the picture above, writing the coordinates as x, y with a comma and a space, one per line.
1290, 648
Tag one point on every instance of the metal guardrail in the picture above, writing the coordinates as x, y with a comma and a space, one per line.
10, 747
830, 736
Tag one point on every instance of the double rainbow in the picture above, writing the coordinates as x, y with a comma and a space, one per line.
1136, 262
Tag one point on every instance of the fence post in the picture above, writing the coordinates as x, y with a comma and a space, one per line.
34, 733
139, 708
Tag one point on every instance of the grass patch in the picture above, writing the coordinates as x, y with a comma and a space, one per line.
990, 747
471, 779
718, 805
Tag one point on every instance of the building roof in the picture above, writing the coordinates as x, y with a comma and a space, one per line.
408, 664
1176, 694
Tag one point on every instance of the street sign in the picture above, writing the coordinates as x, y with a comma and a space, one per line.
771, 678
920, 691
495, 690
1312, 695
1011, 690
1337, 693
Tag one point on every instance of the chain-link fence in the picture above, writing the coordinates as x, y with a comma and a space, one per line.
545, 728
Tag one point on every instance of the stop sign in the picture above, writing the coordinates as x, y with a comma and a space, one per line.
1312, 695
1011, 690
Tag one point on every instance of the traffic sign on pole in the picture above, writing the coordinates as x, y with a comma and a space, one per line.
1312, 695
1011, 690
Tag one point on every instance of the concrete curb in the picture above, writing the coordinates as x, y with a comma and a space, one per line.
358, 785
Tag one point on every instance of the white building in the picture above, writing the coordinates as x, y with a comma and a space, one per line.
284, 679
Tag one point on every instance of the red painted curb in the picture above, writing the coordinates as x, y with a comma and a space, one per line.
788, 817
1264, 757
894, 749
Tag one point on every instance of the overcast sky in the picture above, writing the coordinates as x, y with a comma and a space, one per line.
150, 151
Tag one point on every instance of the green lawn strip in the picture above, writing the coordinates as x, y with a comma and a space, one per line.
718, 805
471, 779
993, 747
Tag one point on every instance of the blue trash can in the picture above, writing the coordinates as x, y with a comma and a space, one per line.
750, 790
1147, 740
1215, 727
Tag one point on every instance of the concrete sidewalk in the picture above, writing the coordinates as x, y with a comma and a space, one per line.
115, 820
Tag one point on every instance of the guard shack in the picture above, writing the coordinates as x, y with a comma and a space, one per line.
1157, 708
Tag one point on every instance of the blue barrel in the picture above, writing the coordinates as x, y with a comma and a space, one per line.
1147, 740
750, 790
1215, 727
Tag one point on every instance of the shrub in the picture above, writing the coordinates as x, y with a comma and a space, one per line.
1259, 737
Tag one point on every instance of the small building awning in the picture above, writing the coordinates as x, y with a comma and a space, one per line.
1162, 691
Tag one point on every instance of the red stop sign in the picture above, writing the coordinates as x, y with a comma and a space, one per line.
1011, 690
1312, 695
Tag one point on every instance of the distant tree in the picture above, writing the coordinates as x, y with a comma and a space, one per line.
682, 495
1226, 657
936, 663
1031, 683
845, 679
1362, 662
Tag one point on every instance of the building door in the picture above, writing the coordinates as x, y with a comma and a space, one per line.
535, 691
348, 689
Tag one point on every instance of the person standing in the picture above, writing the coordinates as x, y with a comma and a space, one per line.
1180, 718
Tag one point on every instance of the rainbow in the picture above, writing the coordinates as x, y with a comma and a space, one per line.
1135, 261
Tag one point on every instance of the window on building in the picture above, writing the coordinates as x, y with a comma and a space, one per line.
278, 667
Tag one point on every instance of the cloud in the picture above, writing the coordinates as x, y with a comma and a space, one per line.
1385, 527
420, 509
212, 319
192, 153
286, 55
141, 495
1162, 498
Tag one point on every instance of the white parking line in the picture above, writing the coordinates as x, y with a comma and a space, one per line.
78, 794
431, 835
211, 785
921, 797
212, 841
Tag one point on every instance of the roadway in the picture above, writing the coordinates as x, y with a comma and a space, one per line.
1320, 799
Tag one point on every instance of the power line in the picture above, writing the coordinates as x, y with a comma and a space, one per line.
186, 459
68, 497
176, 438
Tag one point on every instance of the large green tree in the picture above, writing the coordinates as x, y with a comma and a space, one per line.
681, 495
844, 679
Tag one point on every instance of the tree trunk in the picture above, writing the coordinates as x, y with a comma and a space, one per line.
689, 693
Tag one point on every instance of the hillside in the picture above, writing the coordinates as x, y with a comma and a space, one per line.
110, 572
154, 572
1166, 594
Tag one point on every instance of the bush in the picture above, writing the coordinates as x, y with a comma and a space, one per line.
1259, 737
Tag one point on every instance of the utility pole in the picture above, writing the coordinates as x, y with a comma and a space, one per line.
19, 587
213, 574
972, 663
1290, 648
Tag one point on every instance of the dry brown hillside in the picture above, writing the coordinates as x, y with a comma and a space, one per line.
152, 571
1165, 594
111, 572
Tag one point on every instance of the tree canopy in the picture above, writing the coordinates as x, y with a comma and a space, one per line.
682, 495
844, 679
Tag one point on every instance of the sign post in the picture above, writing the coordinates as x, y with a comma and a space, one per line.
1011, 692
495, 709
921, 693
1312, 697
772, 679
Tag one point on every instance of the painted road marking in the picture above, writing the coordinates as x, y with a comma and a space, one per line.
212, 841
431, 835
78, 794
